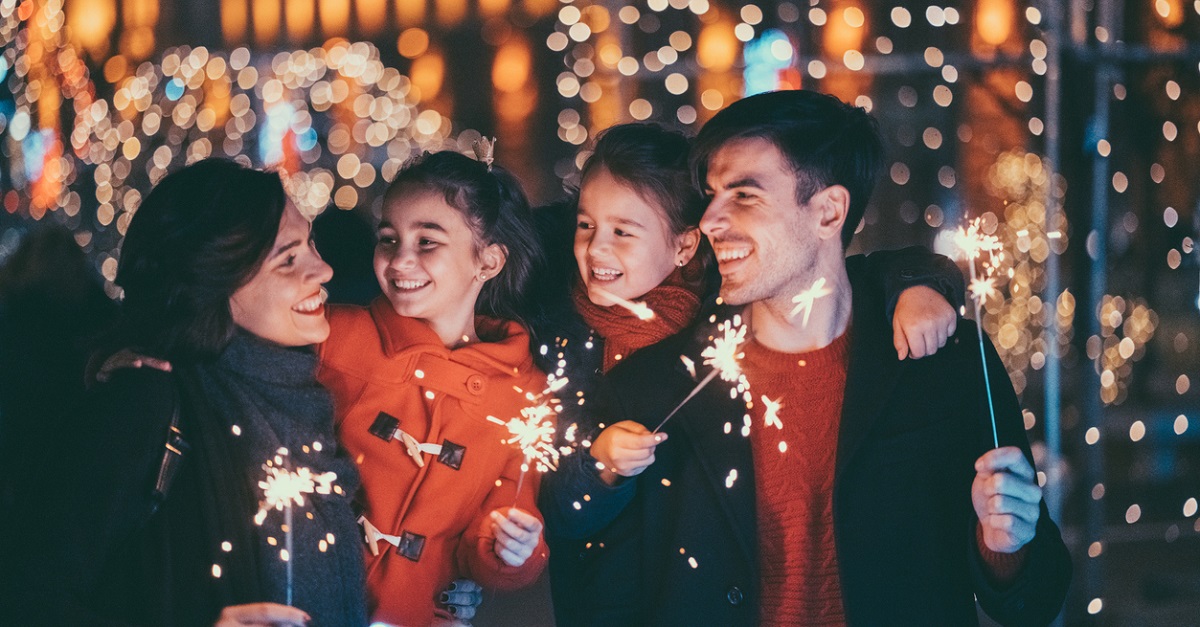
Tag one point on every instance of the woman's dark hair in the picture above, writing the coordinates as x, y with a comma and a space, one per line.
824, 140
653, 160
199, 235
497, 211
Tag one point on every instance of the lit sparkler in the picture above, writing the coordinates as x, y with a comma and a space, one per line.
282, 488
805, 300
771, 412
974, 245
641, 310
533, 431
724, 355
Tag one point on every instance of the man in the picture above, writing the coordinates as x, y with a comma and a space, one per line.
836, 484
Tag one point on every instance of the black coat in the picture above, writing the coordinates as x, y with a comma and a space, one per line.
904, 525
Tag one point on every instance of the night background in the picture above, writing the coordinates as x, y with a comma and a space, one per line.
1071, 130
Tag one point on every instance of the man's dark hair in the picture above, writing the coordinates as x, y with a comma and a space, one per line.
826, 142
200, 235
653, 160
494, 206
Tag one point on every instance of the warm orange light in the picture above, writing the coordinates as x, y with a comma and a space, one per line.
718, 47
597, 18
994, 20
1170, 12
493, 8
335, 17
299, 19
410, 12
451, 12
512, 67
140, 12
138, 43
233, 20
427, 74
266, 22
841, 34
412, 43
372, 16
538, 8
115, 69
91, 23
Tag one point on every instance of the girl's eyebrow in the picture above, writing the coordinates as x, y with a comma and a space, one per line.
627, 221
283, 248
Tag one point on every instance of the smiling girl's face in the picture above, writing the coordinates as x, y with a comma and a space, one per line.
283, 303
623, 243
429, 263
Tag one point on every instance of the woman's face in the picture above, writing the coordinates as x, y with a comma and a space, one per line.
623, 243
426, 260
284, 302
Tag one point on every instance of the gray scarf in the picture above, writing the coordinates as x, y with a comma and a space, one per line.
269, 398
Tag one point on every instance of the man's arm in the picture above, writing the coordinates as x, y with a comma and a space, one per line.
1035, 592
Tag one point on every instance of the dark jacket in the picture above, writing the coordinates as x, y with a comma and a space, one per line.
91, 544
904, 525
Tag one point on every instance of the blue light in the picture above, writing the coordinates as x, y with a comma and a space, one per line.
307, 140
765, 57
34, 149
272, 134
3, 69
175, 89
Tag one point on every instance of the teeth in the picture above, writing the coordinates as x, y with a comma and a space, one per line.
605, 272
732, 254
311, 303
408, 285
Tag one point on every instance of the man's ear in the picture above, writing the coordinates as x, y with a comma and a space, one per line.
832, 205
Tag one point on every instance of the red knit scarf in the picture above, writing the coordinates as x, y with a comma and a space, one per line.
675, 303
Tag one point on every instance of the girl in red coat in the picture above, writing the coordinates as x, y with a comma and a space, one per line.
415, 377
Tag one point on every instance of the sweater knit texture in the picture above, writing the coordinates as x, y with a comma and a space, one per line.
798, 405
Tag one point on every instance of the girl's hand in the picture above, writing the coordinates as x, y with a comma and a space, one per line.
626, 449
262, 615
517, 535
922, 322
126, 358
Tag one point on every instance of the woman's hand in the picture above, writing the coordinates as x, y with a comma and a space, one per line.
262, 615
517, 535
126, 358
922, 322
461, 598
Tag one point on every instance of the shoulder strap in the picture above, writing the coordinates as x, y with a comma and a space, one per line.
173, 452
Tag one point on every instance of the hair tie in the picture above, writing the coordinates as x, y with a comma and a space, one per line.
485, 151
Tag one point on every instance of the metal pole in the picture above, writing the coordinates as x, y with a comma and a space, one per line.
1053, 368
1097, 248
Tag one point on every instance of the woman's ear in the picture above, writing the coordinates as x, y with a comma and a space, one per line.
686, 244
491, 261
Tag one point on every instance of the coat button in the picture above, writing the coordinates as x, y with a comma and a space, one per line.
476, 384
735, 596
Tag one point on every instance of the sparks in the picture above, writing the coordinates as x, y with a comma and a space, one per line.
641, 310
725, 352
805, 300
973, 243
983, 288
771, 412
282, 488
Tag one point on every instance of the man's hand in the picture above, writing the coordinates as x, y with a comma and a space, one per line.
626, 449
262, 615
517, 535
1006, 497
922, 322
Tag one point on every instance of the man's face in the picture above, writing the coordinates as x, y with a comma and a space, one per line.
764, 240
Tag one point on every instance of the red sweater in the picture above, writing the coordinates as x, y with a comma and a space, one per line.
799, 579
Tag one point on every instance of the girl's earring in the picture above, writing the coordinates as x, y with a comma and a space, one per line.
680, 263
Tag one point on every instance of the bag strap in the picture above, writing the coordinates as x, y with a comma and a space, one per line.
174, 450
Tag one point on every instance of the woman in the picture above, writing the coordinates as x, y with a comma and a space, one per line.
149, 517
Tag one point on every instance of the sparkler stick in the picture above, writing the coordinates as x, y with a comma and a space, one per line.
281, 489
973, 244
641, 310
723, 356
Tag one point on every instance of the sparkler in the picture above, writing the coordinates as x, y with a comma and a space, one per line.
533, 432
641, 310
805, 300
974, 244
771, 412
282, 488
724, 355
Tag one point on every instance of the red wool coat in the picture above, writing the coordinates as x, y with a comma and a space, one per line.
391, 376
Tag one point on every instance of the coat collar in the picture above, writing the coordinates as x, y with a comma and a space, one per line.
505, 349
